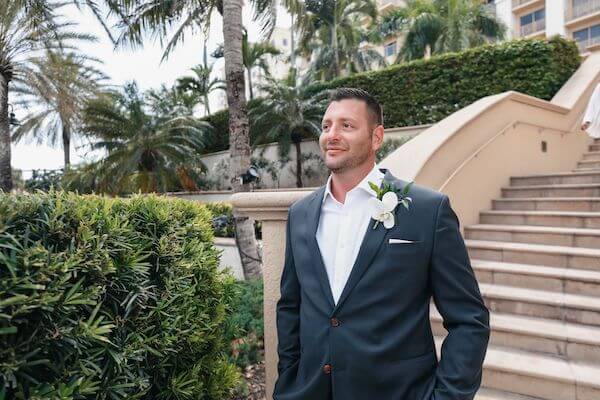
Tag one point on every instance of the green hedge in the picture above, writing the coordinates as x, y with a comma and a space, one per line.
427, 91
111, 298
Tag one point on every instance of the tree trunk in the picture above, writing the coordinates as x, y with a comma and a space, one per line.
66, 139
292, 55
239, 132
206, 107
298, 164
427, 54
6, 183
336, 55
250, 83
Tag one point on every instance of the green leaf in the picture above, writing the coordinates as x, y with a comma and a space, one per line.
8, 331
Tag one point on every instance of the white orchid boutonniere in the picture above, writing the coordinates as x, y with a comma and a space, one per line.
382, 207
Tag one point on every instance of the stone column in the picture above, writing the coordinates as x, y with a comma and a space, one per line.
272, 209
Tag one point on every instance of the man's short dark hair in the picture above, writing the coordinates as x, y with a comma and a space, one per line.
373, 106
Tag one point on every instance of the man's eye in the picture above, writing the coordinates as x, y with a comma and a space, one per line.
347, 126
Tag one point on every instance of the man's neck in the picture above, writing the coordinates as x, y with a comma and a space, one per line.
343, 182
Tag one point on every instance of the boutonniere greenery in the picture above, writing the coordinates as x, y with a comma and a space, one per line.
388, 197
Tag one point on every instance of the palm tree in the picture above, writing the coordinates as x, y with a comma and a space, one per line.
26, 27
139, 17
441, 26
332, 33
254, 56
142, 151
288, 114
200, 85
56, 89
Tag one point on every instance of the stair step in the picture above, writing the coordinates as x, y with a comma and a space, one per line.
548, 203
555, 190
541, 376
586, 169
594, 147
535, 254
541, 277
556, 178
592, 155
562, 339
491, 394
565, 219
549, 235
589, 163
542, 303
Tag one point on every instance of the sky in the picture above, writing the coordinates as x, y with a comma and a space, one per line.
123, 65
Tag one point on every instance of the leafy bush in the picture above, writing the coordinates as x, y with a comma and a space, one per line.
246, 324
427, 91
111, 298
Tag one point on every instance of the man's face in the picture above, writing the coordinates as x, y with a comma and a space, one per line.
346, 139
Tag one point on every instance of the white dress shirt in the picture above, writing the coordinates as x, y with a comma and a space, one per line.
342, 227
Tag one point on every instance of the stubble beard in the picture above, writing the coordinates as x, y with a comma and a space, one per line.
349, 163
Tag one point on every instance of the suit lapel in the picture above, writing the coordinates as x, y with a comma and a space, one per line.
313, 215
371, 242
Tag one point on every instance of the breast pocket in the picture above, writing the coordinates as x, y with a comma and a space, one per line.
404, 254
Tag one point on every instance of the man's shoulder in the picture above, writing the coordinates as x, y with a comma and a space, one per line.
304, 202
422, 194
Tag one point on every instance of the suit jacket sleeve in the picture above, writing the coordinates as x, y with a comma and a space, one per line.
465, 316
288, 309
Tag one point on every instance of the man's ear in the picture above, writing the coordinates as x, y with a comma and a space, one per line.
377, 140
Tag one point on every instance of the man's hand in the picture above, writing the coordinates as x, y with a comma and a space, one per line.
585, 125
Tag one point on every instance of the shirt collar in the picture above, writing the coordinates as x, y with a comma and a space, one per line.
375, 176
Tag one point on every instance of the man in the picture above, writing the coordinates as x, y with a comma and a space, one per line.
353, 317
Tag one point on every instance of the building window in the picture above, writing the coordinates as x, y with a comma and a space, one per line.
390, 49
533, 22
285, 42
587, 36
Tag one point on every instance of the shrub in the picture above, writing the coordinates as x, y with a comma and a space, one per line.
427, 91
111, 298
246, 324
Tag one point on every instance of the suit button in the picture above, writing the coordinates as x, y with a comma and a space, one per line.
327, 368
335, 322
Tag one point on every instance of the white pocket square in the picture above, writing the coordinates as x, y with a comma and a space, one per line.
392, 240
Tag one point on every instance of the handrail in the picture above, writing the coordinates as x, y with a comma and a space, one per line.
489, 141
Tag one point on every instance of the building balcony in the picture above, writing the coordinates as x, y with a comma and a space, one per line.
586, 45
532, 29
581, 9
523, 5
389, 5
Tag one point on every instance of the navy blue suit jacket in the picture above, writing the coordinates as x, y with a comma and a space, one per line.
376, 342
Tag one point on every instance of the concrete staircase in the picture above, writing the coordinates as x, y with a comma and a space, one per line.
536, 256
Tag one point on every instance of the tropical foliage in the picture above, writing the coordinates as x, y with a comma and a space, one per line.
54, 90
112, 299
287, 115
140, 150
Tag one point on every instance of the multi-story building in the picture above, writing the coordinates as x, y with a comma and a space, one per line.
576, 19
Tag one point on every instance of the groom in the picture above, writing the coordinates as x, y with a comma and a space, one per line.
353, 317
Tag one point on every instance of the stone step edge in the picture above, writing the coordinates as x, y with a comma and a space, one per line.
544, 213
536, 248
554, 186
538, 327
558, 174
543, 297
534, 229
549, 198
537, 365
492, 394
579, 275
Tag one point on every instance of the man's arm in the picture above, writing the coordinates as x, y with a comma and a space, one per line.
288, 309
465, 316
